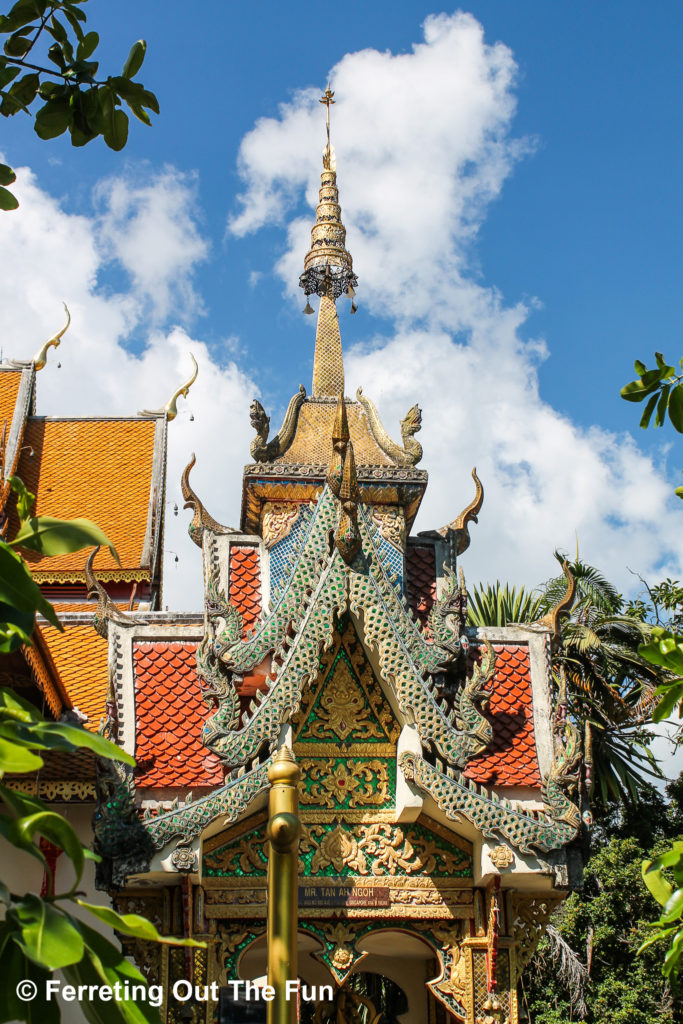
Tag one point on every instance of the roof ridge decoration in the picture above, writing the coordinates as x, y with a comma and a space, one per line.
457, 533
40, 358
201, 520
170, 410
261, 448
107, 611
411, 452
328, 272
340, 439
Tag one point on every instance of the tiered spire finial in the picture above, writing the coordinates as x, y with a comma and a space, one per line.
328, 272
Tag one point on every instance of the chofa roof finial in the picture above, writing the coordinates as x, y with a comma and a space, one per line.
40, 358
171, 407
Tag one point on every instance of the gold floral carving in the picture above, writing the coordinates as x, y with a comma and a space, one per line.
501, 857
453, 980
341, 952
278, 520
361, 782
342, 709
55, 789
529, 916
391, 524
379, 849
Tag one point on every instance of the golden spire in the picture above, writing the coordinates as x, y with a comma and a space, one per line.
328, 272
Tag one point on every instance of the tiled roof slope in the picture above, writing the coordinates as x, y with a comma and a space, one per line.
169, 715
245, 582
80, 656
9, 389
511, 758
420, 579
99, 469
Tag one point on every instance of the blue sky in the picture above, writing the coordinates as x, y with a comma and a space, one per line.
567, 255
590, 224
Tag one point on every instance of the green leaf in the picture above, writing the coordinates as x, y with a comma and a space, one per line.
673, 909
655, 881
55, 828
52, 536
18, 589
661, 405
87, 46
676, 408
133, 924
8, 201
53, 119
47, 936
59, 735
56, 55
647, 413
636, 391
15, 758
17, 45
25, 499
105, 963
7, 176
669, 371
672, 696
116, 132
135, 59
679, 492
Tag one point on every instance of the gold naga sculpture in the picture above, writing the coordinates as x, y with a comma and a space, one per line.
411, 452
171, 407
40, 358
261, 448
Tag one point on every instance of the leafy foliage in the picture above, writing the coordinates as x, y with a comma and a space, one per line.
48, 57
663, 389
606, 924
497, 605
670, 897
40, 934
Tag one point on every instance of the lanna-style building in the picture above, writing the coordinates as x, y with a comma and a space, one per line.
440, 793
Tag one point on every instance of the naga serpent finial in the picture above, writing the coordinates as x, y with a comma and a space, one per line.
261, 448
411, 451
40, 358
106, 609
460, 526
171, 407
551, 620
201, 520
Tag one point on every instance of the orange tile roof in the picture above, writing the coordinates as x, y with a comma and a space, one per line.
245, 582
169, 715
9, 389
99, 469
510, 759
80, 656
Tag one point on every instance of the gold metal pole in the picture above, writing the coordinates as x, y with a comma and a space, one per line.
283, 834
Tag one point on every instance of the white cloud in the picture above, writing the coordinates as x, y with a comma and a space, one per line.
424, 143
149, 229
53, 256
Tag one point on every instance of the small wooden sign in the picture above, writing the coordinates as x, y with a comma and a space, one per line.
344, 896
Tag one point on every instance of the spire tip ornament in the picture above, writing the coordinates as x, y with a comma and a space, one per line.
40, 358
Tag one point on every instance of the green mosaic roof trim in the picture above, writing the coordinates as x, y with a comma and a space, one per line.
228, 802
527, 830
458, 734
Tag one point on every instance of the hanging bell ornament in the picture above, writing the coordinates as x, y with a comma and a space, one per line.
309, 308
354, 307
350, 292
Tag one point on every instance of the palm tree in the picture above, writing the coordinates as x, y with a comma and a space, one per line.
610, 687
